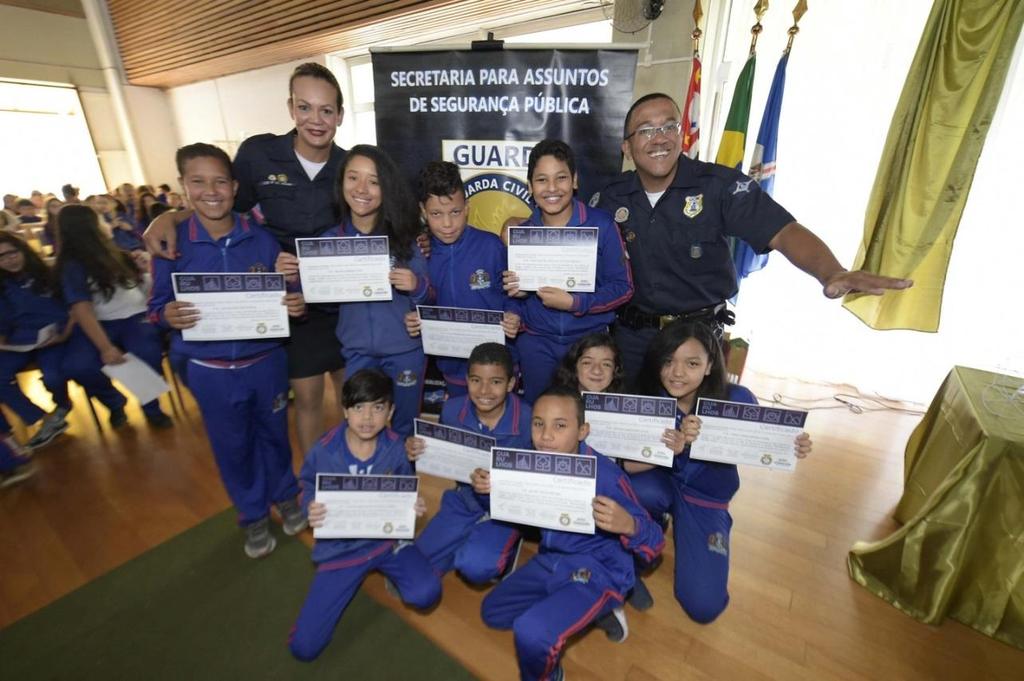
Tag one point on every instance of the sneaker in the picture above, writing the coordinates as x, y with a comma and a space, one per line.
53, 426
258, 540
24, 470
293, 520
118, 419
159, 420
614, 625
640, 597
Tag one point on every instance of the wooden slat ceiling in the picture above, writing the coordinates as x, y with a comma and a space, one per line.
165, 43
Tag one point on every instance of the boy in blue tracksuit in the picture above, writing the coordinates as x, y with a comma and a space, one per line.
554, 319
242, 385
575, 578
461, 534
361, 445
465, 263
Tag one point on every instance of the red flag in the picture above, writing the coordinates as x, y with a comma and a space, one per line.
691, 112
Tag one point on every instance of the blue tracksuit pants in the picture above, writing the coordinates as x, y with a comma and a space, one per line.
700, 529
406, 370
462, 536
544, 603
49, 361
332, 590
245, 411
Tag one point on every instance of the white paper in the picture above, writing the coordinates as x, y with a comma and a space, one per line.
235, 306
452, 453
367, 506
344, 269
747, 434
44, 335
138, 377
455, 331
564, 257
630, 426
544, 489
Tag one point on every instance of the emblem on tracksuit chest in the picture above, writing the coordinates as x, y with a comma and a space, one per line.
406, 378
479, 279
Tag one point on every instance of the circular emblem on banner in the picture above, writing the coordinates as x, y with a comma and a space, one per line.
570, 282
261, 328
495, 197
595, 199
388, 528
622, 214
564, 519
367, 291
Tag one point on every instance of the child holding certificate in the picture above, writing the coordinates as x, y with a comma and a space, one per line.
105, 290
593, 364
465, 263
375, 201
461, 535
241, 385
361, 445
553, 318
575, 578
685, 361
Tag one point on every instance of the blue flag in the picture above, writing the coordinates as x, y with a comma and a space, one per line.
762, 165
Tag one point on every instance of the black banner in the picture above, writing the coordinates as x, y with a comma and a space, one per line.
484, 111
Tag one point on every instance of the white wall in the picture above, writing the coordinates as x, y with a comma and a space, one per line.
224, 111
155, 131
845, 75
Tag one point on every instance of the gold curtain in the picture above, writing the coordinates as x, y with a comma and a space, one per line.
930, 155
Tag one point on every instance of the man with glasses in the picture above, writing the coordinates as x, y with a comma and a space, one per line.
675, 214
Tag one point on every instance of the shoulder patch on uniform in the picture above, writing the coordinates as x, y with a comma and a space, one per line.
594, 200
742, 187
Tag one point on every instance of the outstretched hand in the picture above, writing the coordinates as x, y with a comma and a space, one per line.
860, 281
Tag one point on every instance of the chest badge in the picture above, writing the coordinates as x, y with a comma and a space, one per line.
595, 199
693, 205
622, 214
282, 178
479, 279
257, 267
630, 236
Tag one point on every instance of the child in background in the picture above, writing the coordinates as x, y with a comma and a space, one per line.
106, 293
374, 201
684, 361
465, 263
29, 302
27, 212
361, 445
241, 386
553, 318
462, 535
122, 229
593, 364
575, 578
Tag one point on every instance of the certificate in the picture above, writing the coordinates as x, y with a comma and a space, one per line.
544, 489
235, 306
740, 433
344, 269
367, 506
455, 331
565, 257
138, 377
45, 335
630, 426
452, 453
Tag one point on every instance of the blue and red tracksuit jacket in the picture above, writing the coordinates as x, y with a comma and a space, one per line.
23, 312
591, 312
246, 248
332, 455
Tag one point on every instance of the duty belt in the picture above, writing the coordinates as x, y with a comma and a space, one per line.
635, 318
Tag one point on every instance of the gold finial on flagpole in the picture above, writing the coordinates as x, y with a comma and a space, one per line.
759, 9
698, 14
798, 13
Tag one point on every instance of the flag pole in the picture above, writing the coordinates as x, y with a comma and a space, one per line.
798, 13
759, 11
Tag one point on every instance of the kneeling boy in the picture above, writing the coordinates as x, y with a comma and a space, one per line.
575, 578
361, 445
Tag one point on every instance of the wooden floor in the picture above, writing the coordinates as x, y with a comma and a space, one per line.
99, 500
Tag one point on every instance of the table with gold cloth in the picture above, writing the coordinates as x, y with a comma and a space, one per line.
960, 551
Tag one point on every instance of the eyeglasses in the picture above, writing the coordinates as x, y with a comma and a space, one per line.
668, 130
8, 254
